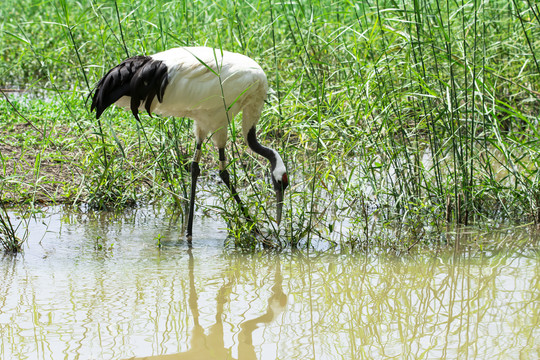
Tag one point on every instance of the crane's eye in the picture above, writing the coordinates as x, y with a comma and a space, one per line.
284, 181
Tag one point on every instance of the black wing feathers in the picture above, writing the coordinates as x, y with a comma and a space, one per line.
140, 77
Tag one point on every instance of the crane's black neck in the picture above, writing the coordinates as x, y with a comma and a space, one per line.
260, 149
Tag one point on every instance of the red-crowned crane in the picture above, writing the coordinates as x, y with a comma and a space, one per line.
207, 85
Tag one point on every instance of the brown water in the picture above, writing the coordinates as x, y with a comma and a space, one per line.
98, 287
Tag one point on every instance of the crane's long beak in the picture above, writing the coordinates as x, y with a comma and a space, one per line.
279, 202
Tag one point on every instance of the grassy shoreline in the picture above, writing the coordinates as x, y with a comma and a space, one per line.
418, 113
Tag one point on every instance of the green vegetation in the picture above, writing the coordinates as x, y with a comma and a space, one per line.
9, 232
394, 117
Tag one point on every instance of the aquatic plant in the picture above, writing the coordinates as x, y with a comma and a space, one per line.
9, 232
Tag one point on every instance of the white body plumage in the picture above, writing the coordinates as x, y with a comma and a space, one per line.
197, 77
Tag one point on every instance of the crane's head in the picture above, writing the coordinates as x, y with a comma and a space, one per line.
277, 167
280, 181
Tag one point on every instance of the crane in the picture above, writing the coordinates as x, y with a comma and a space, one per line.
205, 84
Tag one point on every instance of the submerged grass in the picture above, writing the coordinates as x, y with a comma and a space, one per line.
13, 234
394, 117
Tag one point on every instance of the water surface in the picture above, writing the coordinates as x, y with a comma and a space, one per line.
96, 286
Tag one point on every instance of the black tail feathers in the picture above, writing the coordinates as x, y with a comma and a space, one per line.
140, 77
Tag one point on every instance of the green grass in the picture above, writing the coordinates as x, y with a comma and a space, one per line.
393, 117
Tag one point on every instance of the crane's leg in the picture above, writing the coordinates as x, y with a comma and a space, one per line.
224, 175
195, 171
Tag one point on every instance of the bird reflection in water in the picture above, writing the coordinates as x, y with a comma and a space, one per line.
212, 346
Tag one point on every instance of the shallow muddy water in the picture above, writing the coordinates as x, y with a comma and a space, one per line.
98, 287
